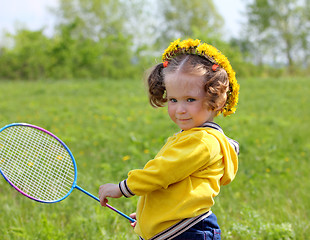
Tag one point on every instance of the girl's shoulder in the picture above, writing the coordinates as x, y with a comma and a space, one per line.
200, 135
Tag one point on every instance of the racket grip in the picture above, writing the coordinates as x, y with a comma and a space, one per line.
109, 206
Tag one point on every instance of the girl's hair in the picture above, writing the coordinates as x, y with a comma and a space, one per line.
216, 82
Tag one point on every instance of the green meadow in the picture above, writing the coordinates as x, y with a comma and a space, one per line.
110, 129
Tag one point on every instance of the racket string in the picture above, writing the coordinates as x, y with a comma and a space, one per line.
36, 163
20, 179
50, 166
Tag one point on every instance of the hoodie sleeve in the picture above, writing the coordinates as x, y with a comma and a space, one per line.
178, 159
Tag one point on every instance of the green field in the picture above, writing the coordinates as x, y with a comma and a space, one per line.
110, 128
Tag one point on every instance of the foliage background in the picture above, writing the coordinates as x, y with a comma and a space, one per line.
94, 39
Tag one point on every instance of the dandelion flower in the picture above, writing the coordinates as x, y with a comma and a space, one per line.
126, 158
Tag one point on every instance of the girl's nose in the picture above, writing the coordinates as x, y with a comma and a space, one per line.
181, 108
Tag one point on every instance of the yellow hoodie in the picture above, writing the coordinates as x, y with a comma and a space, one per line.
182, 180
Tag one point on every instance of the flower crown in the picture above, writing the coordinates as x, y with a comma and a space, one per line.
195, 47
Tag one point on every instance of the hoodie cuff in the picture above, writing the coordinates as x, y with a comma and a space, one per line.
125, 189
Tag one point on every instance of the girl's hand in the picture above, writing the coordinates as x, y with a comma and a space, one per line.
133, 216
108, 190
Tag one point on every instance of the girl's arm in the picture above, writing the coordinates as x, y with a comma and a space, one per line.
174, 163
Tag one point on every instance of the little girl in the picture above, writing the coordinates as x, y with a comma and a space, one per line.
177, 188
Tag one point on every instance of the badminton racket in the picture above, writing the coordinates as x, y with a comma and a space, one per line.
39, 165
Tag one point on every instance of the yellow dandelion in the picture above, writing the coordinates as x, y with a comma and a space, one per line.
189, 43
30, 164
81, 153
126, 158
146, 151
59, 157
103, 117
171, 48
268, 170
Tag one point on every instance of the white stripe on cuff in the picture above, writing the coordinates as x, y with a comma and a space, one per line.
125, 189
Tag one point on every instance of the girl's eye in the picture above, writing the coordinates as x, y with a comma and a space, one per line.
191, 100
173, 100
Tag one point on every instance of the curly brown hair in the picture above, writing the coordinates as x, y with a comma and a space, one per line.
216, 82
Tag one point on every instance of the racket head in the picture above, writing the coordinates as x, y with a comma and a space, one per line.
36, 163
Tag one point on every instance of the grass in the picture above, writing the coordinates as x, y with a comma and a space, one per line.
110, 128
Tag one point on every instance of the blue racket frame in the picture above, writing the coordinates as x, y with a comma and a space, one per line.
74, 184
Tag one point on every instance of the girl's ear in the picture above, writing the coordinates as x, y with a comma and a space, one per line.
219, 109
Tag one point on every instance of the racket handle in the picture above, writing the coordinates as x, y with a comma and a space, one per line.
109, 206
120, 213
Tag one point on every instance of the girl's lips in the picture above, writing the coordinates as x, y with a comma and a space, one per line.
183, 120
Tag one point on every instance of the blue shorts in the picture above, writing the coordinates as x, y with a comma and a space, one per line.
206, 229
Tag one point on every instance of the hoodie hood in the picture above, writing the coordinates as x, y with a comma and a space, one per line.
230, 150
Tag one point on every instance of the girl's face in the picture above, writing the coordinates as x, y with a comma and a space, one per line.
186, 100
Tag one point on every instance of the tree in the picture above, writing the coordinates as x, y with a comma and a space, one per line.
96, 18
279, 29
28, 59
92, 39
182, 18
